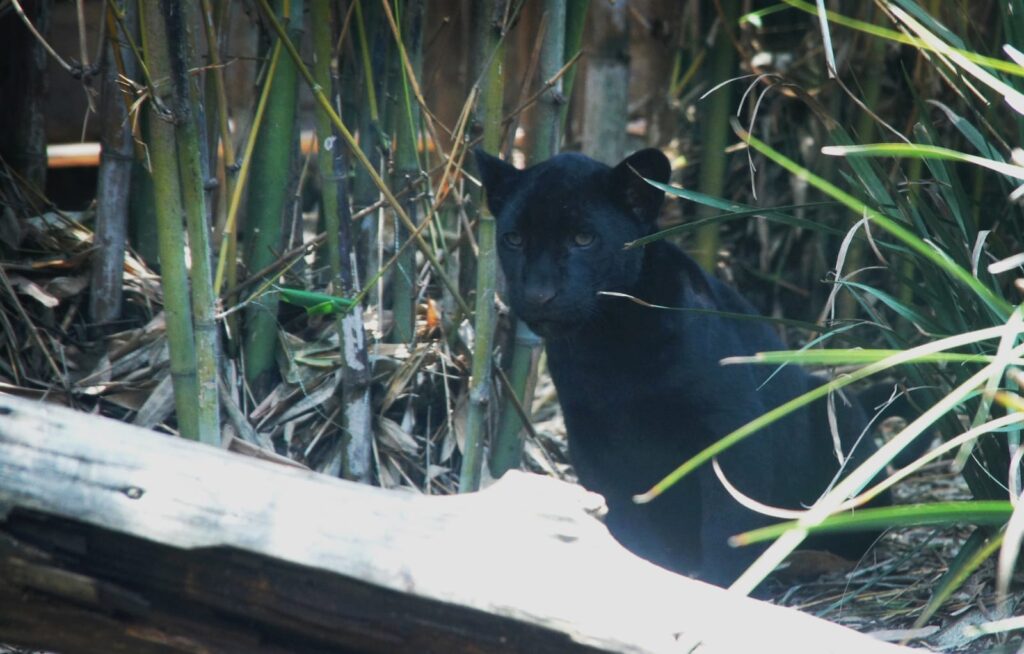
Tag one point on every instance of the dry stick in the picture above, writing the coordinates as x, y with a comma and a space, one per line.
547, 86
357, 152
83, 43
343, 33
58, 374
139, 59
74, 71
127, 73
227, 162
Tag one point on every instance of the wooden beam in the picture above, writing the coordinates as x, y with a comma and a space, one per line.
118, 539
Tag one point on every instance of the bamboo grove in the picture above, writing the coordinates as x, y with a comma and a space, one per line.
329, 292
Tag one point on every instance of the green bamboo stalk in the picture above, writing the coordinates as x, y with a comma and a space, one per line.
405, 116
356, 448
491, 30
715, 127
575, 21
267, 198
507, 448
369, 29
190, 168
170, 232
112, 188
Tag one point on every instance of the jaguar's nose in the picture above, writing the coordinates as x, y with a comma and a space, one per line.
539, 295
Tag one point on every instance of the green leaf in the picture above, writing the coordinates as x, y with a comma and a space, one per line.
979, 547
974, 512
754, 17
315, 303
735, 211
907, 313
922, 151
856, 357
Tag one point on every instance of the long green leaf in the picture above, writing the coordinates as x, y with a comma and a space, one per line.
856, 357
736, 211
920, 151
979, 548
974, 512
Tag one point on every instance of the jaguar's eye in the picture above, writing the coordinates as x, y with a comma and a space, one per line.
513, 239
583, 239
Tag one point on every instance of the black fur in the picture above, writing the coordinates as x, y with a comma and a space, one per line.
642, 389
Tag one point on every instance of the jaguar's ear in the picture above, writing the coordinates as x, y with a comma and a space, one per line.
498, 177
640, 199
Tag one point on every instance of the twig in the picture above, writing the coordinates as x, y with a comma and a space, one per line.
73, 70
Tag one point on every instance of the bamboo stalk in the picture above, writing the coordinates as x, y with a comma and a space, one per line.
373, 57
406, 118
190, 169
507, 448
715, 126
490, 30
170, 232
113, 186
272, 160
355, 459
575, 21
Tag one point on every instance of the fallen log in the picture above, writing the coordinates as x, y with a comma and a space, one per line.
118, 539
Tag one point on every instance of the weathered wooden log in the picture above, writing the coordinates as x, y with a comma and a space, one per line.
118, 539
